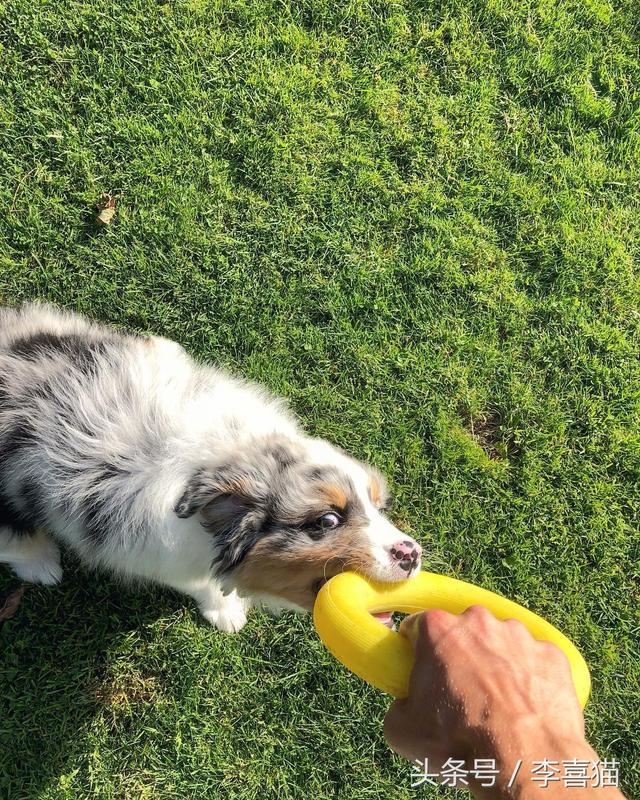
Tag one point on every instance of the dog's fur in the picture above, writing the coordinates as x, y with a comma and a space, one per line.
157, 467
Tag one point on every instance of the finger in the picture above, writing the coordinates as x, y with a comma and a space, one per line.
409, 628
426, 627
409, 731
394, 724
405, 732
424, 630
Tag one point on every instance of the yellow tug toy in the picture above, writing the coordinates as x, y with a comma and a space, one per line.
343, 618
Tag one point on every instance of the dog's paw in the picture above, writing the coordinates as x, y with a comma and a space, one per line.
230, 618
46, 571
38, 561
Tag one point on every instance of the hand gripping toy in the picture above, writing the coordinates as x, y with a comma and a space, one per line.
343, 618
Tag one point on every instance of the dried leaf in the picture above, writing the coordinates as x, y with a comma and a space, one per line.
10, 604
106, 209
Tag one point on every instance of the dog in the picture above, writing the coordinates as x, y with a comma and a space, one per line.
156, 467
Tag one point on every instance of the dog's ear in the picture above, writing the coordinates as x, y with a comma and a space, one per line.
208, 486
246, 477
200, 490
232, 508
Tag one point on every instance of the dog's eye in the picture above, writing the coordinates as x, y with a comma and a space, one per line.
330, 520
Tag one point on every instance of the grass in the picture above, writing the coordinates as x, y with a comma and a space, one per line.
419, 222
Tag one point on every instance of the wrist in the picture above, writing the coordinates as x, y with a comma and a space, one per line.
542, 772
525, 753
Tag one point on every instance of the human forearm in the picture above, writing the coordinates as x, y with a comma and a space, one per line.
548, 767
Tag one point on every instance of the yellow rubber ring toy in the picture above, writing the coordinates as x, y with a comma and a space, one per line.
384, 658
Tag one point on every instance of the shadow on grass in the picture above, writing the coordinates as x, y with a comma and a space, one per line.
53, 655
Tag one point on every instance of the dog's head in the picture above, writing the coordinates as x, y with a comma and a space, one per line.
285, 515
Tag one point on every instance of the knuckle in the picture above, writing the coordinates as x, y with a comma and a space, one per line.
551, 651
434, 622
435, 615
478, 612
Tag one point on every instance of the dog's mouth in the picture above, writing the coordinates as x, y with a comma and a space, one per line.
317, 585
383, 617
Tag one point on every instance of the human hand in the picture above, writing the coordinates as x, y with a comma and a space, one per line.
482, 688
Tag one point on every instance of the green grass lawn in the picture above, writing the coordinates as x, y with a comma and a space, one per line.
418, 221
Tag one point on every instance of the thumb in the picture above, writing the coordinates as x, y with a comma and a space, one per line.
410, 628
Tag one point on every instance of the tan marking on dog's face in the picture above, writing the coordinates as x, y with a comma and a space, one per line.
334, 495
293, 573
375, 491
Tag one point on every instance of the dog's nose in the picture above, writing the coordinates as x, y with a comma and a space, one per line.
406, 554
